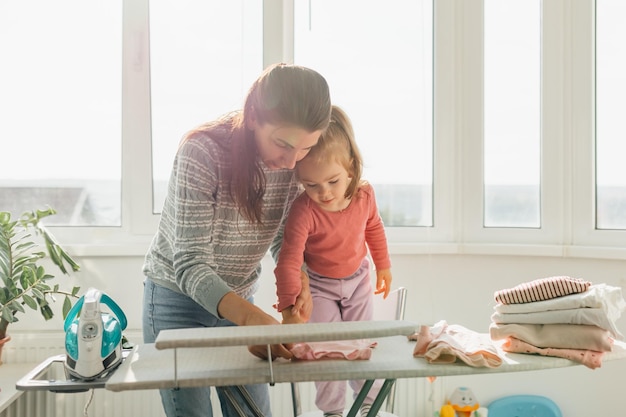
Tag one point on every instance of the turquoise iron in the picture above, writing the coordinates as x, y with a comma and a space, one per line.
93, 339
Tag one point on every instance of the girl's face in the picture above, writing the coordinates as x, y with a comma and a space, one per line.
325, 183
281, 147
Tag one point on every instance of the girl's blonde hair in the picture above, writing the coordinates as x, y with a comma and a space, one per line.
337, 143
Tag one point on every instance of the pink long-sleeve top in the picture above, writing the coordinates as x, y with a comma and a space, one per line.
333, 244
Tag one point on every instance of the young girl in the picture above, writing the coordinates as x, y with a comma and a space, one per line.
231, 185
330, 228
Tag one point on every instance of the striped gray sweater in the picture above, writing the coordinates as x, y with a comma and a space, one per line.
204, 248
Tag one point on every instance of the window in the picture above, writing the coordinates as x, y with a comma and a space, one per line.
60, 109
512, 80
610, 93
383, 79
203, 58
488, 126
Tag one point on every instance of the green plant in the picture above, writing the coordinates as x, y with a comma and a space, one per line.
25, 281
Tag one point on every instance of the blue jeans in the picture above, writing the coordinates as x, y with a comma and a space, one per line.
167, 309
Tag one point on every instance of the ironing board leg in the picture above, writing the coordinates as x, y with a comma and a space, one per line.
234, 402
380, 398
358, 401
249, 401
378, 401
295, 394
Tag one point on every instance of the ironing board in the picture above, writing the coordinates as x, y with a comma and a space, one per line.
227, 361
219, 357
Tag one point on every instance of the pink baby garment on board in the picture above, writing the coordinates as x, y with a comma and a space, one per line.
445, 343
343, 349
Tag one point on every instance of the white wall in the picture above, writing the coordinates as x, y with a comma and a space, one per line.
453, 287
460, 290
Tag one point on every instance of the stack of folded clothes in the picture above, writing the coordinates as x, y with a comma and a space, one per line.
558, 316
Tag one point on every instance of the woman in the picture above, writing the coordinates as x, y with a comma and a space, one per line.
231, 186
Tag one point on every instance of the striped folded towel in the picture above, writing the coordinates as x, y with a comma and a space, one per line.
541, 289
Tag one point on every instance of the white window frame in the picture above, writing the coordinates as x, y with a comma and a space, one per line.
568, 180
470, 139
585, 236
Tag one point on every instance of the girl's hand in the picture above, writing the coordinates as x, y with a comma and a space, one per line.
304, 303
383, 282
290, 318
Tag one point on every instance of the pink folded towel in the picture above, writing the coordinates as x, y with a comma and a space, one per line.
344, 349
589, 358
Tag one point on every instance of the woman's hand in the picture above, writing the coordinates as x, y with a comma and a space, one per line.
243, 313
304, 302
277, 351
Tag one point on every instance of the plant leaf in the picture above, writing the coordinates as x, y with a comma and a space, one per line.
38, 294
75, 267
30, 302
7, 314
23, 279
67, 306
46, 312
15, 306
54, 255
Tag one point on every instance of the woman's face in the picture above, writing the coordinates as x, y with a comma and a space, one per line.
280, 147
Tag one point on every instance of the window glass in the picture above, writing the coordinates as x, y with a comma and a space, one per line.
512, 130
60, 109
377, 58
204, 55
610, 93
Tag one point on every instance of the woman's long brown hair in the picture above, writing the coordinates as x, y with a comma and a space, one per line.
284, 94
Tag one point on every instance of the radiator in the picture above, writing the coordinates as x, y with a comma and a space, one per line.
414, 397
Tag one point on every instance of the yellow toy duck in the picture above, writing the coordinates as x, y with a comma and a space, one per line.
462, 403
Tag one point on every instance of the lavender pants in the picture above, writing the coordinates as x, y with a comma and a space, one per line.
344, 299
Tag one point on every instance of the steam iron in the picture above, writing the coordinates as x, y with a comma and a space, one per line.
93, 339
